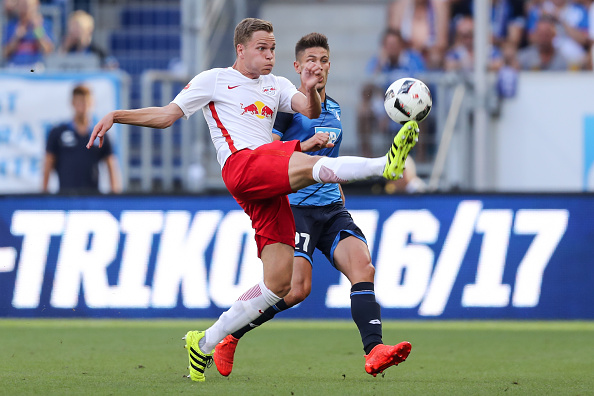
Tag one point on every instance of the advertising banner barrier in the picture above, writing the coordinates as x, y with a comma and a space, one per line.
520, 256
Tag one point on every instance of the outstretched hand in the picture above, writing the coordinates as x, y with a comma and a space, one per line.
317, 142
100, 129
311, 75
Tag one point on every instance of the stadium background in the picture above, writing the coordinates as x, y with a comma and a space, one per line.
504, 230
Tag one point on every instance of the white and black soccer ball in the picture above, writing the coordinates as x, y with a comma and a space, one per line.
408, 99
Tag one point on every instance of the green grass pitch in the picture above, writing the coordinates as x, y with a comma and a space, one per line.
287, 357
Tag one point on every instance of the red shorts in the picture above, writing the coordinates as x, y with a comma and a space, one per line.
259, 181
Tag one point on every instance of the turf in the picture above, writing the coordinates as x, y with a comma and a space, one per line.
105, 357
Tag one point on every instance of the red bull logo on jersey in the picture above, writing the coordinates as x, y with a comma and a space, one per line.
269, 90
258, 109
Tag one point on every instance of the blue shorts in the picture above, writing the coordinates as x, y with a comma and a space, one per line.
322, 227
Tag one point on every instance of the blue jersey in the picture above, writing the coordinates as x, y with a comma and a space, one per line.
299, 127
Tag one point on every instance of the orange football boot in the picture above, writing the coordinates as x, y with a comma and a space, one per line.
224, 353
383, 356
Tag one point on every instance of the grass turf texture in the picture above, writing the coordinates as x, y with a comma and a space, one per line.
106, 357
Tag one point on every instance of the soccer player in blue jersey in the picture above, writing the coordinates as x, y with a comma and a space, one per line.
323, 222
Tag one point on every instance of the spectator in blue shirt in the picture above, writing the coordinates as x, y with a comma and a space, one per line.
507, 22
541, 54
395, 60
423, 25
461, 56
508, 19
29, 37
571, 19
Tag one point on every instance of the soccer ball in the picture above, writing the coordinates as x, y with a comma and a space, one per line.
408, 99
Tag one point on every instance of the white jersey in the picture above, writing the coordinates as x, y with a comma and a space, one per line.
239, 111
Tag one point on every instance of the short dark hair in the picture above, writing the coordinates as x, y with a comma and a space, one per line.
312, 40
391, 32
246, 28
81, 90
547, 18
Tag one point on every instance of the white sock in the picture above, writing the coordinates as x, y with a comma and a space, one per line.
347, 169
247, 308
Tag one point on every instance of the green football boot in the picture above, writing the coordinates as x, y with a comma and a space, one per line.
198, 361
404, 141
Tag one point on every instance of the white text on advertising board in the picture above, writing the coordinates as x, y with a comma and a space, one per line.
410, 270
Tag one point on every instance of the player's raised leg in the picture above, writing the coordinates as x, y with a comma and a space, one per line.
305, 170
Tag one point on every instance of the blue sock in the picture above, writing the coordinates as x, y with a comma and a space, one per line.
265, 317
366, 314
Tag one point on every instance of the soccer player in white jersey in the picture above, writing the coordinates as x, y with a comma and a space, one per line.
240, 104
322, 222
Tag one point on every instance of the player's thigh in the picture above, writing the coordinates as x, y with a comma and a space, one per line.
338, 226
352, 258
300, 170
308, 228
260, 174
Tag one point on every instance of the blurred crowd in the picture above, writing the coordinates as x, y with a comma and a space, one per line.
28, 39
424, 36
420, 36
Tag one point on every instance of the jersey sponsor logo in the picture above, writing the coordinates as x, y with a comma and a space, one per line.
68, 139
232, 87
269, 90
333, 132
258, 109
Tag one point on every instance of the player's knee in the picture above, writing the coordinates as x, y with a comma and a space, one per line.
369, 271
364, 272
300, 292
281, 289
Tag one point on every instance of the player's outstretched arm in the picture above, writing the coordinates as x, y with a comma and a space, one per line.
151, 117
307, 100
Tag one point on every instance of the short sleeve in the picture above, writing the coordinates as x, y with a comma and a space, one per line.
198, 93
286, 91
52, 141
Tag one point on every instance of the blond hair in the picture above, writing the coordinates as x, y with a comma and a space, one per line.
84, 19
